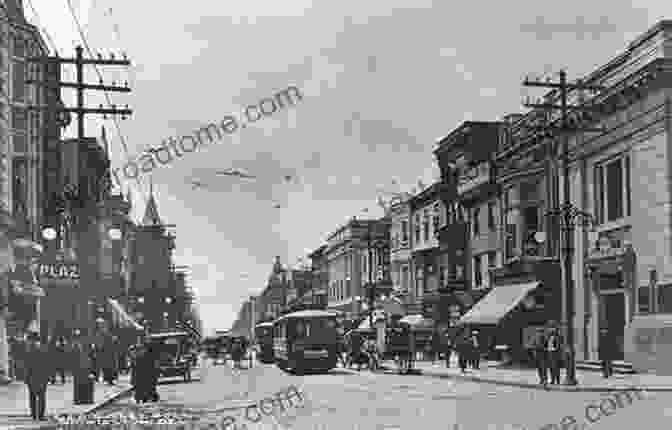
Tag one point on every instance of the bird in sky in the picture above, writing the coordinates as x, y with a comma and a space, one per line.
197, 184
235, 172
277, 206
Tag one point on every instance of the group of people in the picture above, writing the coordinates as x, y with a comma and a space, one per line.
548, 352
356, 349
38, 364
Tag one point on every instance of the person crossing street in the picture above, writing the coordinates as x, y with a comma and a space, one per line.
554, 353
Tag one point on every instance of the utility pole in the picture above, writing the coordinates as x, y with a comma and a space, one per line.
54, 111
567, 214
372, 291
80, 86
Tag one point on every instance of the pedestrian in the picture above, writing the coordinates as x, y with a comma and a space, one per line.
447, 347
38, 373
540, 357
107, 360
59, 357
139, 376
606, 351
475, 348
463, 350
436, 346
95, 363
81, 368
554, 348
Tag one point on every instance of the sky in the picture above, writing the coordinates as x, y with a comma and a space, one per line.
382, 83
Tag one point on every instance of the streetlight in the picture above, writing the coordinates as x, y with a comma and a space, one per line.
49, 233
568, 216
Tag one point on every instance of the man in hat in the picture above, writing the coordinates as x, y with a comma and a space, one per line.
38, 374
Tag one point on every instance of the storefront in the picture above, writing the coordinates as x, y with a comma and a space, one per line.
64, 308
611, 273
527, 294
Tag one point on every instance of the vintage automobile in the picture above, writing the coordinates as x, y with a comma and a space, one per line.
174, 353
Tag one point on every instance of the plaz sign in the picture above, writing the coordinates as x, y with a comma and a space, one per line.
59, 270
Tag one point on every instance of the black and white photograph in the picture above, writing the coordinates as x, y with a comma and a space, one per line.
347, 215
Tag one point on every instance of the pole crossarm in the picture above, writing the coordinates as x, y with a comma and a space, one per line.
597, 109
571, 216
95, 87
559, 85
98, 62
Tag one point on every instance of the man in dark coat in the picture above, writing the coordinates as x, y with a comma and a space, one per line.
38, 373
554, 348
59, 358
107, 360
540, 357
464, 351
607, 350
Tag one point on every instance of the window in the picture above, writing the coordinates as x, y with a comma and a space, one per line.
478, 271
418, 282
511, 240
18, 81
436, 222
531, 226
404, 278
425, 228
612, 189
417, 228
491, 216
643, 299
492, 259
476, 224
665, 298
404, 232
20, 186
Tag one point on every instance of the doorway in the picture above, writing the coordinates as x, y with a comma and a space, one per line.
614, 319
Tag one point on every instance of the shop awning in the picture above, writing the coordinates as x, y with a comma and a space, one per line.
122, 316
497, 303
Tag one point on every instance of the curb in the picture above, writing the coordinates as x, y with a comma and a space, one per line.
564, 388
109, 399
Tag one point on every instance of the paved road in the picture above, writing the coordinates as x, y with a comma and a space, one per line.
346, 399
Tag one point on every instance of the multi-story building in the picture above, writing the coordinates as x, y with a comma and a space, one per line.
400, 247
623, 272
428, 215
357, 256
23, 138
320, 277
469, 241
152, 269
273, 299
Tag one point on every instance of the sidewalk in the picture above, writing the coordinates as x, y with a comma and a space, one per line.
14, 409
492, 372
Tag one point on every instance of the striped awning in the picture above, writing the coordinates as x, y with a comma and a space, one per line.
122, 316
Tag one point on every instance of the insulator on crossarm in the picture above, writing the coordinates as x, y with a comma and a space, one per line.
124, 55
111, 56
125, 84
114, 83
100, 81
100, 56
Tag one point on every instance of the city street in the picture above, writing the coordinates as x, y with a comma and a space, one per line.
347, 399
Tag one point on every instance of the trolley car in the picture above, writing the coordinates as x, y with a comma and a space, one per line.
306, 341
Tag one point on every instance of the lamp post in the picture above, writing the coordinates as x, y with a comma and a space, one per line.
569, 216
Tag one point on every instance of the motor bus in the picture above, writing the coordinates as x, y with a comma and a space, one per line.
306, 341
263, 333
